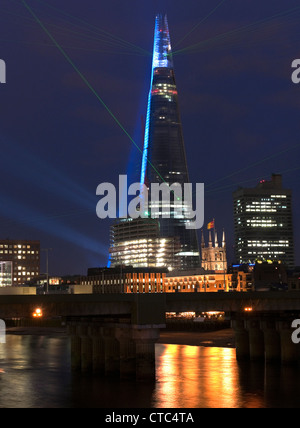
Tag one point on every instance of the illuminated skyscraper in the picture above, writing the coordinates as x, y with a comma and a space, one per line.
164, 158
137, 242
263, 223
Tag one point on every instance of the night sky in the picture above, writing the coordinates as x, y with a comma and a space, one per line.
239, 109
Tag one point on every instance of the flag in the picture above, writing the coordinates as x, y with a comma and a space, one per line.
211, 225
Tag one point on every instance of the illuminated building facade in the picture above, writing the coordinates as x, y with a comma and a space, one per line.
137, 243
198, 281
213, 257
24, 257
6, 274
263, 223
164, 158
125, 280
157, 280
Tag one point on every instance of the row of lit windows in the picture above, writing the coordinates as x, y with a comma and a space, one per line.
120, 281
14, 246
204, 286
26, 273
269, 253
18, 252
261, 210
26, 257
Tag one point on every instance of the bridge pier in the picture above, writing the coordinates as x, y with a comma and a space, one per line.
127, 353
241, 339
271, 341
256, 340
86, 348
98, 350
289, 350
262, 337
111, 352
145, 338
75, 347
113, 349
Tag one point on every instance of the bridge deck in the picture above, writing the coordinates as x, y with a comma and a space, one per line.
145, 308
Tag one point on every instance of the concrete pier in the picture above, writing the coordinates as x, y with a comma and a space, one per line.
289, 350
98, 349
75, 347
114, 349
241, 339
256, 340
265, 337
271, 341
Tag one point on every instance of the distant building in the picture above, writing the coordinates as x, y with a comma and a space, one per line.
137, 243
270, 276
6, 274
213, 257
125, 279
198, 280
263, 223
24, 259
294, 279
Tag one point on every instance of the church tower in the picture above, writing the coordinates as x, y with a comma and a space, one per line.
213, 257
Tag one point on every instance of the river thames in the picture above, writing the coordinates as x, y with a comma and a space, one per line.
35, 373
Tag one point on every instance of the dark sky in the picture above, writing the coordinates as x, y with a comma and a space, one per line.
239, 109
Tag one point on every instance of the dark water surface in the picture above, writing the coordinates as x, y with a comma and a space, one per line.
35, 373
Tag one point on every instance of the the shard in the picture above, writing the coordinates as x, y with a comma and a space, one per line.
164, 157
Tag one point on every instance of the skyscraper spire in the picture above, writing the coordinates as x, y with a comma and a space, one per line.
164, 158
162, 52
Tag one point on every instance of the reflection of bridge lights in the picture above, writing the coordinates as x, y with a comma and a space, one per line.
248, 309
37, 313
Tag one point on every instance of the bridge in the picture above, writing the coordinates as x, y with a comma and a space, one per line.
116, 333
141, 308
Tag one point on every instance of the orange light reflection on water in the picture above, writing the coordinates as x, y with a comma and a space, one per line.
194, 376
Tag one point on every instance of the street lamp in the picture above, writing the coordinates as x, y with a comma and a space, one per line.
47, 266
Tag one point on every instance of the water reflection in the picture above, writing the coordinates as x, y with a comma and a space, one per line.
35, 372
197, 377
191, 376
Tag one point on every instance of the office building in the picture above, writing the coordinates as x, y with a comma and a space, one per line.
263, 223
23, 257
6, 274
137, 243
125, 280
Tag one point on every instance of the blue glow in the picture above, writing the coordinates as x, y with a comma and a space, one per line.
49, 224
245, 264
161, 58
162, 45
37, 171
146, 139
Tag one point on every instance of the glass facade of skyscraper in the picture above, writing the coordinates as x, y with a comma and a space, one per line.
263, 223
164, 157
